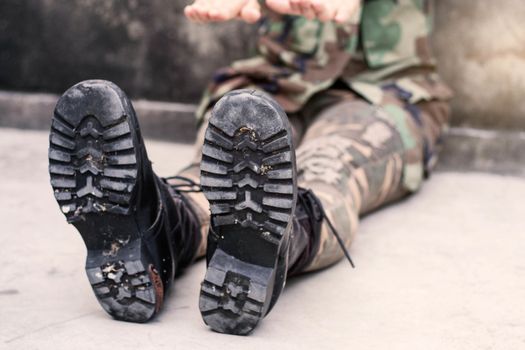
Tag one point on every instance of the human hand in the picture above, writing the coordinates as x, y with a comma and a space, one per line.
325, 10
204, 11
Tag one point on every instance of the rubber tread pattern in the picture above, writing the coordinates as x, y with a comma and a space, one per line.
93, 166
248, 176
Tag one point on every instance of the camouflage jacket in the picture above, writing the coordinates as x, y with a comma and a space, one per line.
387, 41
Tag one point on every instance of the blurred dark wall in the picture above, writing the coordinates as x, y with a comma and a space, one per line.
147, 47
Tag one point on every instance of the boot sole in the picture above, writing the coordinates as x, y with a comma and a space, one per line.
93, 164
248, 175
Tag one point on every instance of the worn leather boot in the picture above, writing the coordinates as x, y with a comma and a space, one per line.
137, 230
248, 175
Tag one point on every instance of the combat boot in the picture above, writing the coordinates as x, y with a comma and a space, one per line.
248, 174
259, 233
138, 231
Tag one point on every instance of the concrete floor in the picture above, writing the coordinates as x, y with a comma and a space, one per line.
442, 270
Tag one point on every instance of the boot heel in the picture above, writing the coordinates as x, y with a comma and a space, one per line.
127, 285
234, 294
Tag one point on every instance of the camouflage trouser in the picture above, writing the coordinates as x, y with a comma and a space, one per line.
356, 157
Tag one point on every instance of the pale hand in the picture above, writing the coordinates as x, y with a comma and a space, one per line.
203, 11
339, 11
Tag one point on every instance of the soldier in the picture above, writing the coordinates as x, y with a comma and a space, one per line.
340, 113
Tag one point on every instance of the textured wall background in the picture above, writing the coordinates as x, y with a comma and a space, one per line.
481, 47
149, 49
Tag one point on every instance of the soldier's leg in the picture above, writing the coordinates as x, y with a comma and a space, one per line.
356, 157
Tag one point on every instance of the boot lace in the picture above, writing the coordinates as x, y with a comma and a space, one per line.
308, 194
187, 185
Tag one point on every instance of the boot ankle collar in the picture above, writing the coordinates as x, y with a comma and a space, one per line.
316, 211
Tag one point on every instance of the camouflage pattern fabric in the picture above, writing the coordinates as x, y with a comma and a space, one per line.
367, 107
357, 156
298, 58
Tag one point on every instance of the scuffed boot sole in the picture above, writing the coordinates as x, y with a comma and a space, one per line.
93, 163
248, 175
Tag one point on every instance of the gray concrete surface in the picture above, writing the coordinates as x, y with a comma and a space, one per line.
159, 120
466, 149
442, 270
491, 151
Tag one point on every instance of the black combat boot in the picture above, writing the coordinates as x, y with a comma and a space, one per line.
259, 234
248, 175
137, 229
